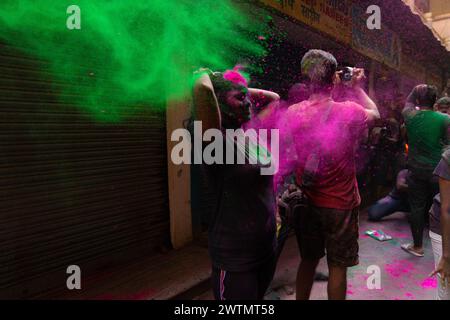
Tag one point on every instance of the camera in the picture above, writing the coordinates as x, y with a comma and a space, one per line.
346, 74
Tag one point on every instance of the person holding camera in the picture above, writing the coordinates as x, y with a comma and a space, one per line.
325, 134
396, 200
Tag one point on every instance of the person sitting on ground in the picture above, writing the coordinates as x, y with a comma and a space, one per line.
427, 135
396, 200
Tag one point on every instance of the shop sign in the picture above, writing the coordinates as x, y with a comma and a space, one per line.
382, 45
329, 16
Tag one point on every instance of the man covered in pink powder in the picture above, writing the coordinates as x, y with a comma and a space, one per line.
324, 135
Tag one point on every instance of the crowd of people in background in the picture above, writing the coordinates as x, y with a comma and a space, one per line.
417, 189
333, 142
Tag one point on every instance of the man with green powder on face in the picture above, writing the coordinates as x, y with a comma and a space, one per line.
242, 228
427, 132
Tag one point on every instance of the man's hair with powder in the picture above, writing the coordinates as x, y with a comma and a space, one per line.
319, 67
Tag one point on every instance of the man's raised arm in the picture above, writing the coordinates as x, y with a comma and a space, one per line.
367, 103
205, 102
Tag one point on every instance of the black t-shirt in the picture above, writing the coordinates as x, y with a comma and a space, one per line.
242, 231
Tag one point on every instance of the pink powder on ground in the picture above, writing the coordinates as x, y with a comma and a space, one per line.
399, 268
429, 283
400, 235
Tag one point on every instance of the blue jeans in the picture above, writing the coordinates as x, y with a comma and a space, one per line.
387, 206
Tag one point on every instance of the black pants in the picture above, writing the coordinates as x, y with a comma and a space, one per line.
249, 285
422, 187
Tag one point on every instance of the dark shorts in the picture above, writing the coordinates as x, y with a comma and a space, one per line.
331, 231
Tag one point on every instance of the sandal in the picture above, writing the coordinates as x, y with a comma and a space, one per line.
408, 247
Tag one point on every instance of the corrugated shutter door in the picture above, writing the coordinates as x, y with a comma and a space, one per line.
203, 200
73, 190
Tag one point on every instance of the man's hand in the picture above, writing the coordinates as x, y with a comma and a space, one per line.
203, 71
443, 269
402, 186
401, 183
358, 77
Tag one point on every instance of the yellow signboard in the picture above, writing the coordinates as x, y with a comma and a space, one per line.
332, 17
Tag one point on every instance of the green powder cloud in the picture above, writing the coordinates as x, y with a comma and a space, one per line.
128, 54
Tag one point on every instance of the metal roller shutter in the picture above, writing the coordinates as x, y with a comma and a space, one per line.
203, 200
73, 190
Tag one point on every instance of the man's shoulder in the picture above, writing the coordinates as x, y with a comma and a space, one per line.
408, 111
351, 111
446, 155
350, 104
442, 170
297, 109
442, 116
298, 106
349, 107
